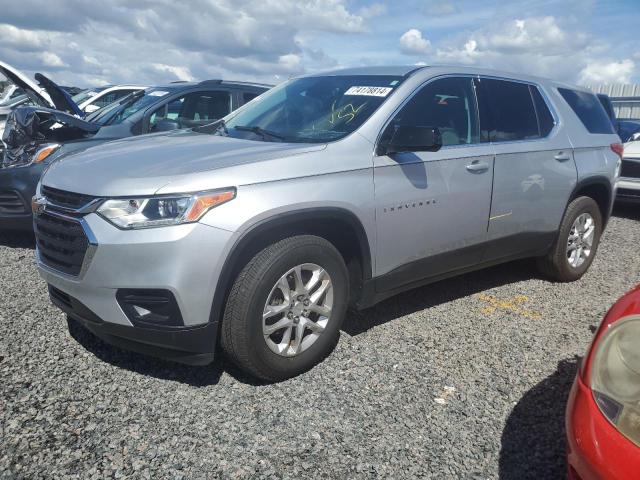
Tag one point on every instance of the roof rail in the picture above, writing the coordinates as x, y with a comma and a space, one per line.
211, 82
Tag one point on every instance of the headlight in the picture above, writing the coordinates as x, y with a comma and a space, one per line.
44, 152
615, 376
160, 211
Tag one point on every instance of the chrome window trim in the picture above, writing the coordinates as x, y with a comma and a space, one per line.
414, 93
556, 118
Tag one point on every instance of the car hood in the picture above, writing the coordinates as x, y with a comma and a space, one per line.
61, 99
19, 79
632, 149
143, 165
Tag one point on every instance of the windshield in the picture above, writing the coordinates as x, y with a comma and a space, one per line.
312, 109
122, 109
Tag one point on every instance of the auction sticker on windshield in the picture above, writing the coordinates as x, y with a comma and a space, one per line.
369, 91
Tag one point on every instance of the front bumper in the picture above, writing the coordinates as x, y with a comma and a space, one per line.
184, 259
595, 449
17, 187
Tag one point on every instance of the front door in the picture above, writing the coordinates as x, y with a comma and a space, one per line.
432, 208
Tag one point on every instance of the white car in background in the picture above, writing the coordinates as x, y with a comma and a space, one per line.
95, 98
629, 182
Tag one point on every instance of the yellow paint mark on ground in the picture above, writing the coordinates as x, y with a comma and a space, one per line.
513, 304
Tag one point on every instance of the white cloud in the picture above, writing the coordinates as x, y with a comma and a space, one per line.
597, 72
21, 38
413, 43
290, 63
541, 46
181, 73
50, 59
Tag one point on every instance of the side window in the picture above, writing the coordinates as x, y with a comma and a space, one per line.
507, 111
448, 104
110, 98
545, 119
588, 109
193, 109
248, 96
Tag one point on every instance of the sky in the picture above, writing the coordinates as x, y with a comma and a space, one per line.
89, 43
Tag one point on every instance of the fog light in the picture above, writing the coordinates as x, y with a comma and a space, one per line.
150, 307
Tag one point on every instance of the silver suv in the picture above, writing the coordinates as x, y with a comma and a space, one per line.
331, 190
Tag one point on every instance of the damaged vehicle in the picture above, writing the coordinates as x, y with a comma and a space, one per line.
44, 94
37, 136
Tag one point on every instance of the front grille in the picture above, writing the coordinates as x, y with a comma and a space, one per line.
11, 202
62, 243
66, 199
630, 169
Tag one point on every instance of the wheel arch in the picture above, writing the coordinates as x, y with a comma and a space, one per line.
339, 226
599, 189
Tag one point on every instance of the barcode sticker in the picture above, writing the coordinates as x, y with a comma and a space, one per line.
369, 91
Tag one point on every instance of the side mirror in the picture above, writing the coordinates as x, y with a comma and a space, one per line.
165, 125
91, 108
409, 138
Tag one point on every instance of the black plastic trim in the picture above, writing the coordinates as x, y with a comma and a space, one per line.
189, 345
451, 264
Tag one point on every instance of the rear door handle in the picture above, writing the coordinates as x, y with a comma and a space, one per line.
478, 167
562, 156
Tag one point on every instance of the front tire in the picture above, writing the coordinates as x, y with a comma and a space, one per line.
285, 308
575, 247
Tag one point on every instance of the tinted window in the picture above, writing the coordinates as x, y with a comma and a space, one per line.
588, 109
545, 119
193, 109
448, 104
110, 97
507, 111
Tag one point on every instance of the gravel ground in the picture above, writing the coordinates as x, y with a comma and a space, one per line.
467, 378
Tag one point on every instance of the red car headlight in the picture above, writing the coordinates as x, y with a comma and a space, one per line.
615, 375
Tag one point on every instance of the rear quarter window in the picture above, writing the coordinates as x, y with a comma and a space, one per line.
588, 109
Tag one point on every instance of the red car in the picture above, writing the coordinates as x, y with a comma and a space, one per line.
603, 413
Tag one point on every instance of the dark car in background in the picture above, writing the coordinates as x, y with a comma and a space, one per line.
36, 136
626, 129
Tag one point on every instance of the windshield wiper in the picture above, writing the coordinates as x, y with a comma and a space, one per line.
259, 131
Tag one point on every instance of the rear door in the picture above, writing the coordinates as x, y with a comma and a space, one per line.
534, 171
432, 208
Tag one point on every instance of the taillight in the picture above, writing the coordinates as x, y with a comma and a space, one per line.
618, 149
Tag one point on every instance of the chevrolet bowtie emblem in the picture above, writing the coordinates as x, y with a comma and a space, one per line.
38, 205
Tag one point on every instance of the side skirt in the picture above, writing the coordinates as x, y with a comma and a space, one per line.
440, 267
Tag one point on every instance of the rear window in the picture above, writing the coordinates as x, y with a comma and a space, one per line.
507, 111
588, 109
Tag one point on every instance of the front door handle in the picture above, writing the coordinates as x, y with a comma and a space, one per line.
478, 167
562, 156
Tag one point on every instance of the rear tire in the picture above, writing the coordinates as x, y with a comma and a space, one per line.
574, 249
260, 289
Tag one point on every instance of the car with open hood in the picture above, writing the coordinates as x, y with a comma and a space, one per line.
36, 136
335, 189
44, 93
